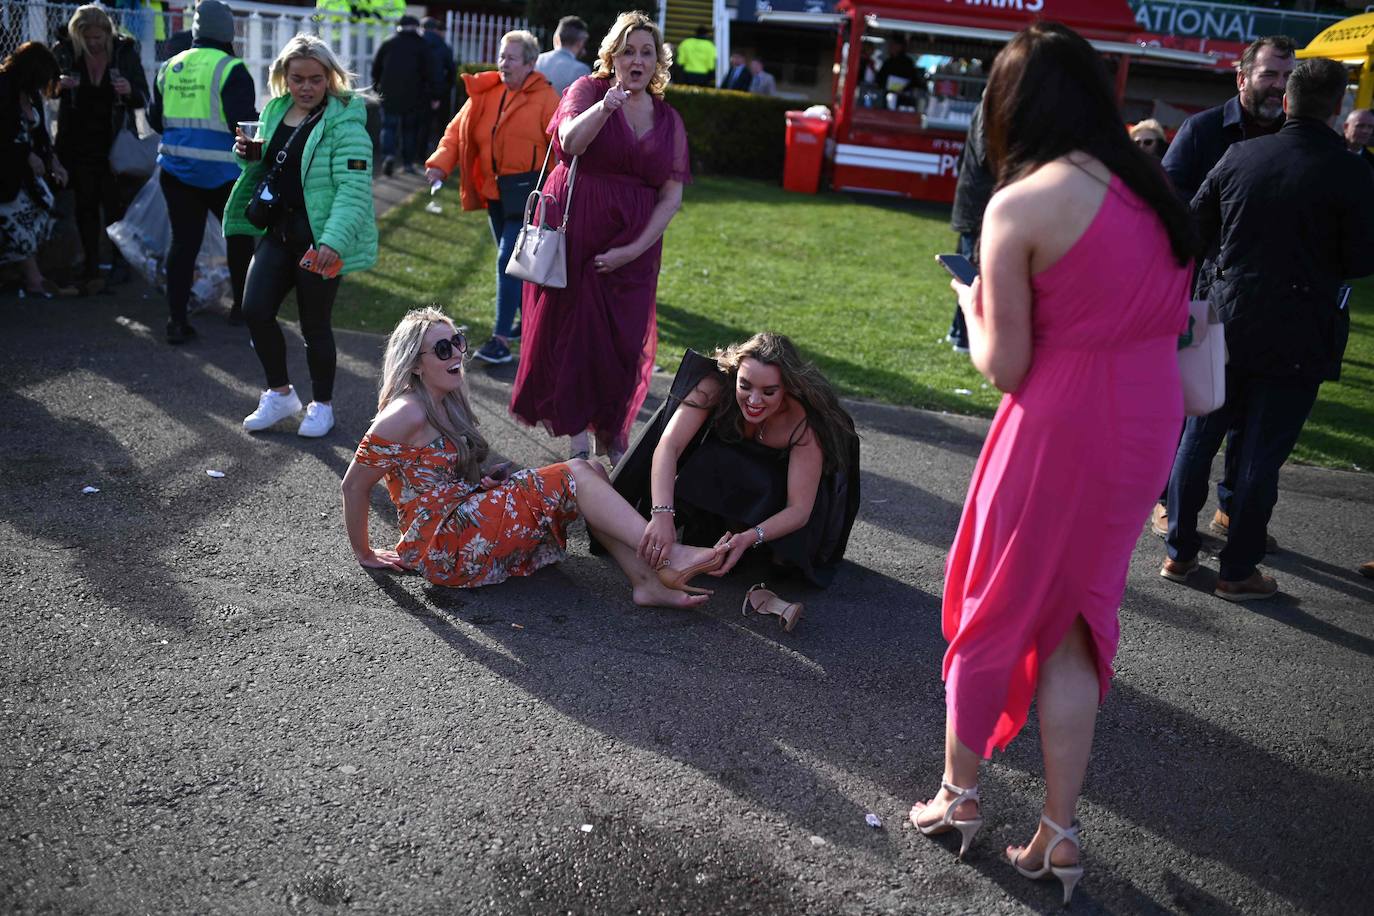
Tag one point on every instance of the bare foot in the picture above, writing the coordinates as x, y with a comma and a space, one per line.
653, 593
927, 814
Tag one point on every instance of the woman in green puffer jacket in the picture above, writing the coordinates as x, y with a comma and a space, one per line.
322, 224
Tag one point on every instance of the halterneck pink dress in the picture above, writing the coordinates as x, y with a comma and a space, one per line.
1072, 464
587, 351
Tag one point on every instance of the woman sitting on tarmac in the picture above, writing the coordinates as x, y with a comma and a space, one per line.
465, 527
753, 443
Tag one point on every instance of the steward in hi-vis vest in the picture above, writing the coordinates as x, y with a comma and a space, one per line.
199, 98
197, 136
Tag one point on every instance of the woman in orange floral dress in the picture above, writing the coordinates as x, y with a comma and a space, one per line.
465, 527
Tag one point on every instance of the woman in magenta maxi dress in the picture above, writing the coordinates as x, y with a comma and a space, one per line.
1087, 259
588, 349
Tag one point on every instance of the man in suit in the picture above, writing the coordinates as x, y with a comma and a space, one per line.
1287, 217
761, 82
738, 76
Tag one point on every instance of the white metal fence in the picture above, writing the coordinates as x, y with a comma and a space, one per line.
261, 29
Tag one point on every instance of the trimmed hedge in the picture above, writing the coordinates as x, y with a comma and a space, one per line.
733, 133
729, 133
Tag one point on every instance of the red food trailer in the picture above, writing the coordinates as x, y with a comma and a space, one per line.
903, 136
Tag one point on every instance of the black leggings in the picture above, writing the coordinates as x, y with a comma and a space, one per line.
99, 202
274, 271
187, 207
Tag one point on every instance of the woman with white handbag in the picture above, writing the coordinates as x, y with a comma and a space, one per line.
588, 347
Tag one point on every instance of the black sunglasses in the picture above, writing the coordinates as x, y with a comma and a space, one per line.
1146, 141
444, 349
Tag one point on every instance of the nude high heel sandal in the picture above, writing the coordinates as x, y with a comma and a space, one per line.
677, 579
968, 829
762, 601
1068, 875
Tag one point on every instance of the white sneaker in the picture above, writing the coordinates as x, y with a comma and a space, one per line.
319, 419
272, 408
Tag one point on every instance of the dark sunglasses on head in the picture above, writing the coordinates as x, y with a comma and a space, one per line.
444, 349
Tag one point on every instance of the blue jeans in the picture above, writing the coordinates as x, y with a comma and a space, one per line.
408, 126
508, 288
1266, 415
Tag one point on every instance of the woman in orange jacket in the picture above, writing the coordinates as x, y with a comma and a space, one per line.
498, 142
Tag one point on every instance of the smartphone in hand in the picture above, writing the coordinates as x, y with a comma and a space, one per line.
312, 258
959, 267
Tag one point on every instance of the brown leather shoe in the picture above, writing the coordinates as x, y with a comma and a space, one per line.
1159, 520
1220, 525
1367, 569
1256, 587
1179, 570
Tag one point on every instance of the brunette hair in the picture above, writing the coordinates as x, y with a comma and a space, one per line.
32, 67
1316, 88
801, 380
619, 36
1283, 46
1048, 70
453, 415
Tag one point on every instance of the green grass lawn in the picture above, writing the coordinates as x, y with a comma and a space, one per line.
852, 279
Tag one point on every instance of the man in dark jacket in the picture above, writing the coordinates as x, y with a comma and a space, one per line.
445, 66
1255, 111
1288, 218
1359, 132
404, 73
971, 196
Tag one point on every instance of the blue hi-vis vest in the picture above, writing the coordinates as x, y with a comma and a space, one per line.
197, 144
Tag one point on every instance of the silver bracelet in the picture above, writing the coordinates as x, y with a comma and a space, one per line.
758, 529
656, 510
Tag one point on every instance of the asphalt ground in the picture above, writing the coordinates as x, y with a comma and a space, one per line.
207, 707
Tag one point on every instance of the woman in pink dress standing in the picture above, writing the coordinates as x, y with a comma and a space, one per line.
588, 349
1086, 264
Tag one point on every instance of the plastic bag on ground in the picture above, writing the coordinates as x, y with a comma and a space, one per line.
144, 235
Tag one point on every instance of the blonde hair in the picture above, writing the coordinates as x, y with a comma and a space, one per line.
92, 14
527, 42
1148, 126
312, 47
619, 37
453, 415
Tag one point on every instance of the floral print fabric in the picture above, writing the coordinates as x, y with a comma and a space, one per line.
458, 534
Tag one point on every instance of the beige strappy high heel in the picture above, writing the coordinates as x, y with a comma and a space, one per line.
788, 612
968, 828
1068, 875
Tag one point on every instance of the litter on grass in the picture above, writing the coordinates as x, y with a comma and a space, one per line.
962, 391
89, 490
873, 820
586, 828
215, 474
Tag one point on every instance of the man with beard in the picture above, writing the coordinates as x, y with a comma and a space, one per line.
1256, 111
1288, 219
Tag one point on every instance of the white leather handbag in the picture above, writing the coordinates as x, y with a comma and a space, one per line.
1202, 360
540, 255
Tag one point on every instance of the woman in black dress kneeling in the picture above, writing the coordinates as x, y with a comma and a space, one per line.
753, 443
